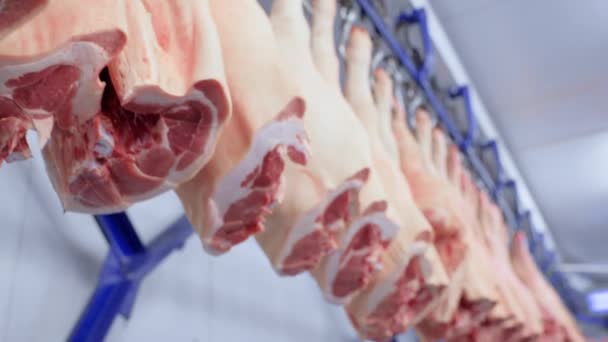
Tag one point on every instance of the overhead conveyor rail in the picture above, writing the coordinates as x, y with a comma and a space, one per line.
129, 261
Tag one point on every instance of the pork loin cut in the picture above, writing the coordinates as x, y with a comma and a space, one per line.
323, 204
228, 199
150, 123
556, 317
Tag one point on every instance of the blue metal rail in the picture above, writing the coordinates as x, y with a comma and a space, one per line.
126, 265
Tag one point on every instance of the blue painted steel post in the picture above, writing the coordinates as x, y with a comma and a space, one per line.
126, 264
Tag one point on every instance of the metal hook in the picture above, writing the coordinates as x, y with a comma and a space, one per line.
469, 136
349, 15
414, 104
307, 7
427, 60
378, 58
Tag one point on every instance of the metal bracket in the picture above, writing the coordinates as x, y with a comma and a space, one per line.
418, 16
468, 137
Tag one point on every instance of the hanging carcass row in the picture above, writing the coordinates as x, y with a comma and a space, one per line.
229, 199
128, 97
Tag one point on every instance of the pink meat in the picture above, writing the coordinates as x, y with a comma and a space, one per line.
230, 198
488, 330
355, 264
396, 311
469, 316
340, 206
359, 260
148, 122
14, 13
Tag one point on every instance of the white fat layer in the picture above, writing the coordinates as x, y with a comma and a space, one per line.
388, 230
388, 285
306, 224
89, 57
281, 133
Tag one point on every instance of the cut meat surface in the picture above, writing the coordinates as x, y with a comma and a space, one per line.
400, 295
359, 257
136, 132
318, 232
228, 200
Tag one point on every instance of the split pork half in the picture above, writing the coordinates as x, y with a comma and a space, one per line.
518, 297
150, 122
229, 198
327, 210
357, 260
421, 164
478, 297
556, 316
412, 279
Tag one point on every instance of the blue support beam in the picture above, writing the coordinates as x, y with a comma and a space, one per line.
126, 265
120, 235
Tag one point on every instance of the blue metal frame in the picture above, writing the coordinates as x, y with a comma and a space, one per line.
126, 265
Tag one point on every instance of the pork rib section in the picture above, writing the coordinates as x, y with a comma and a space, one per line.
149, 124
229, 198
